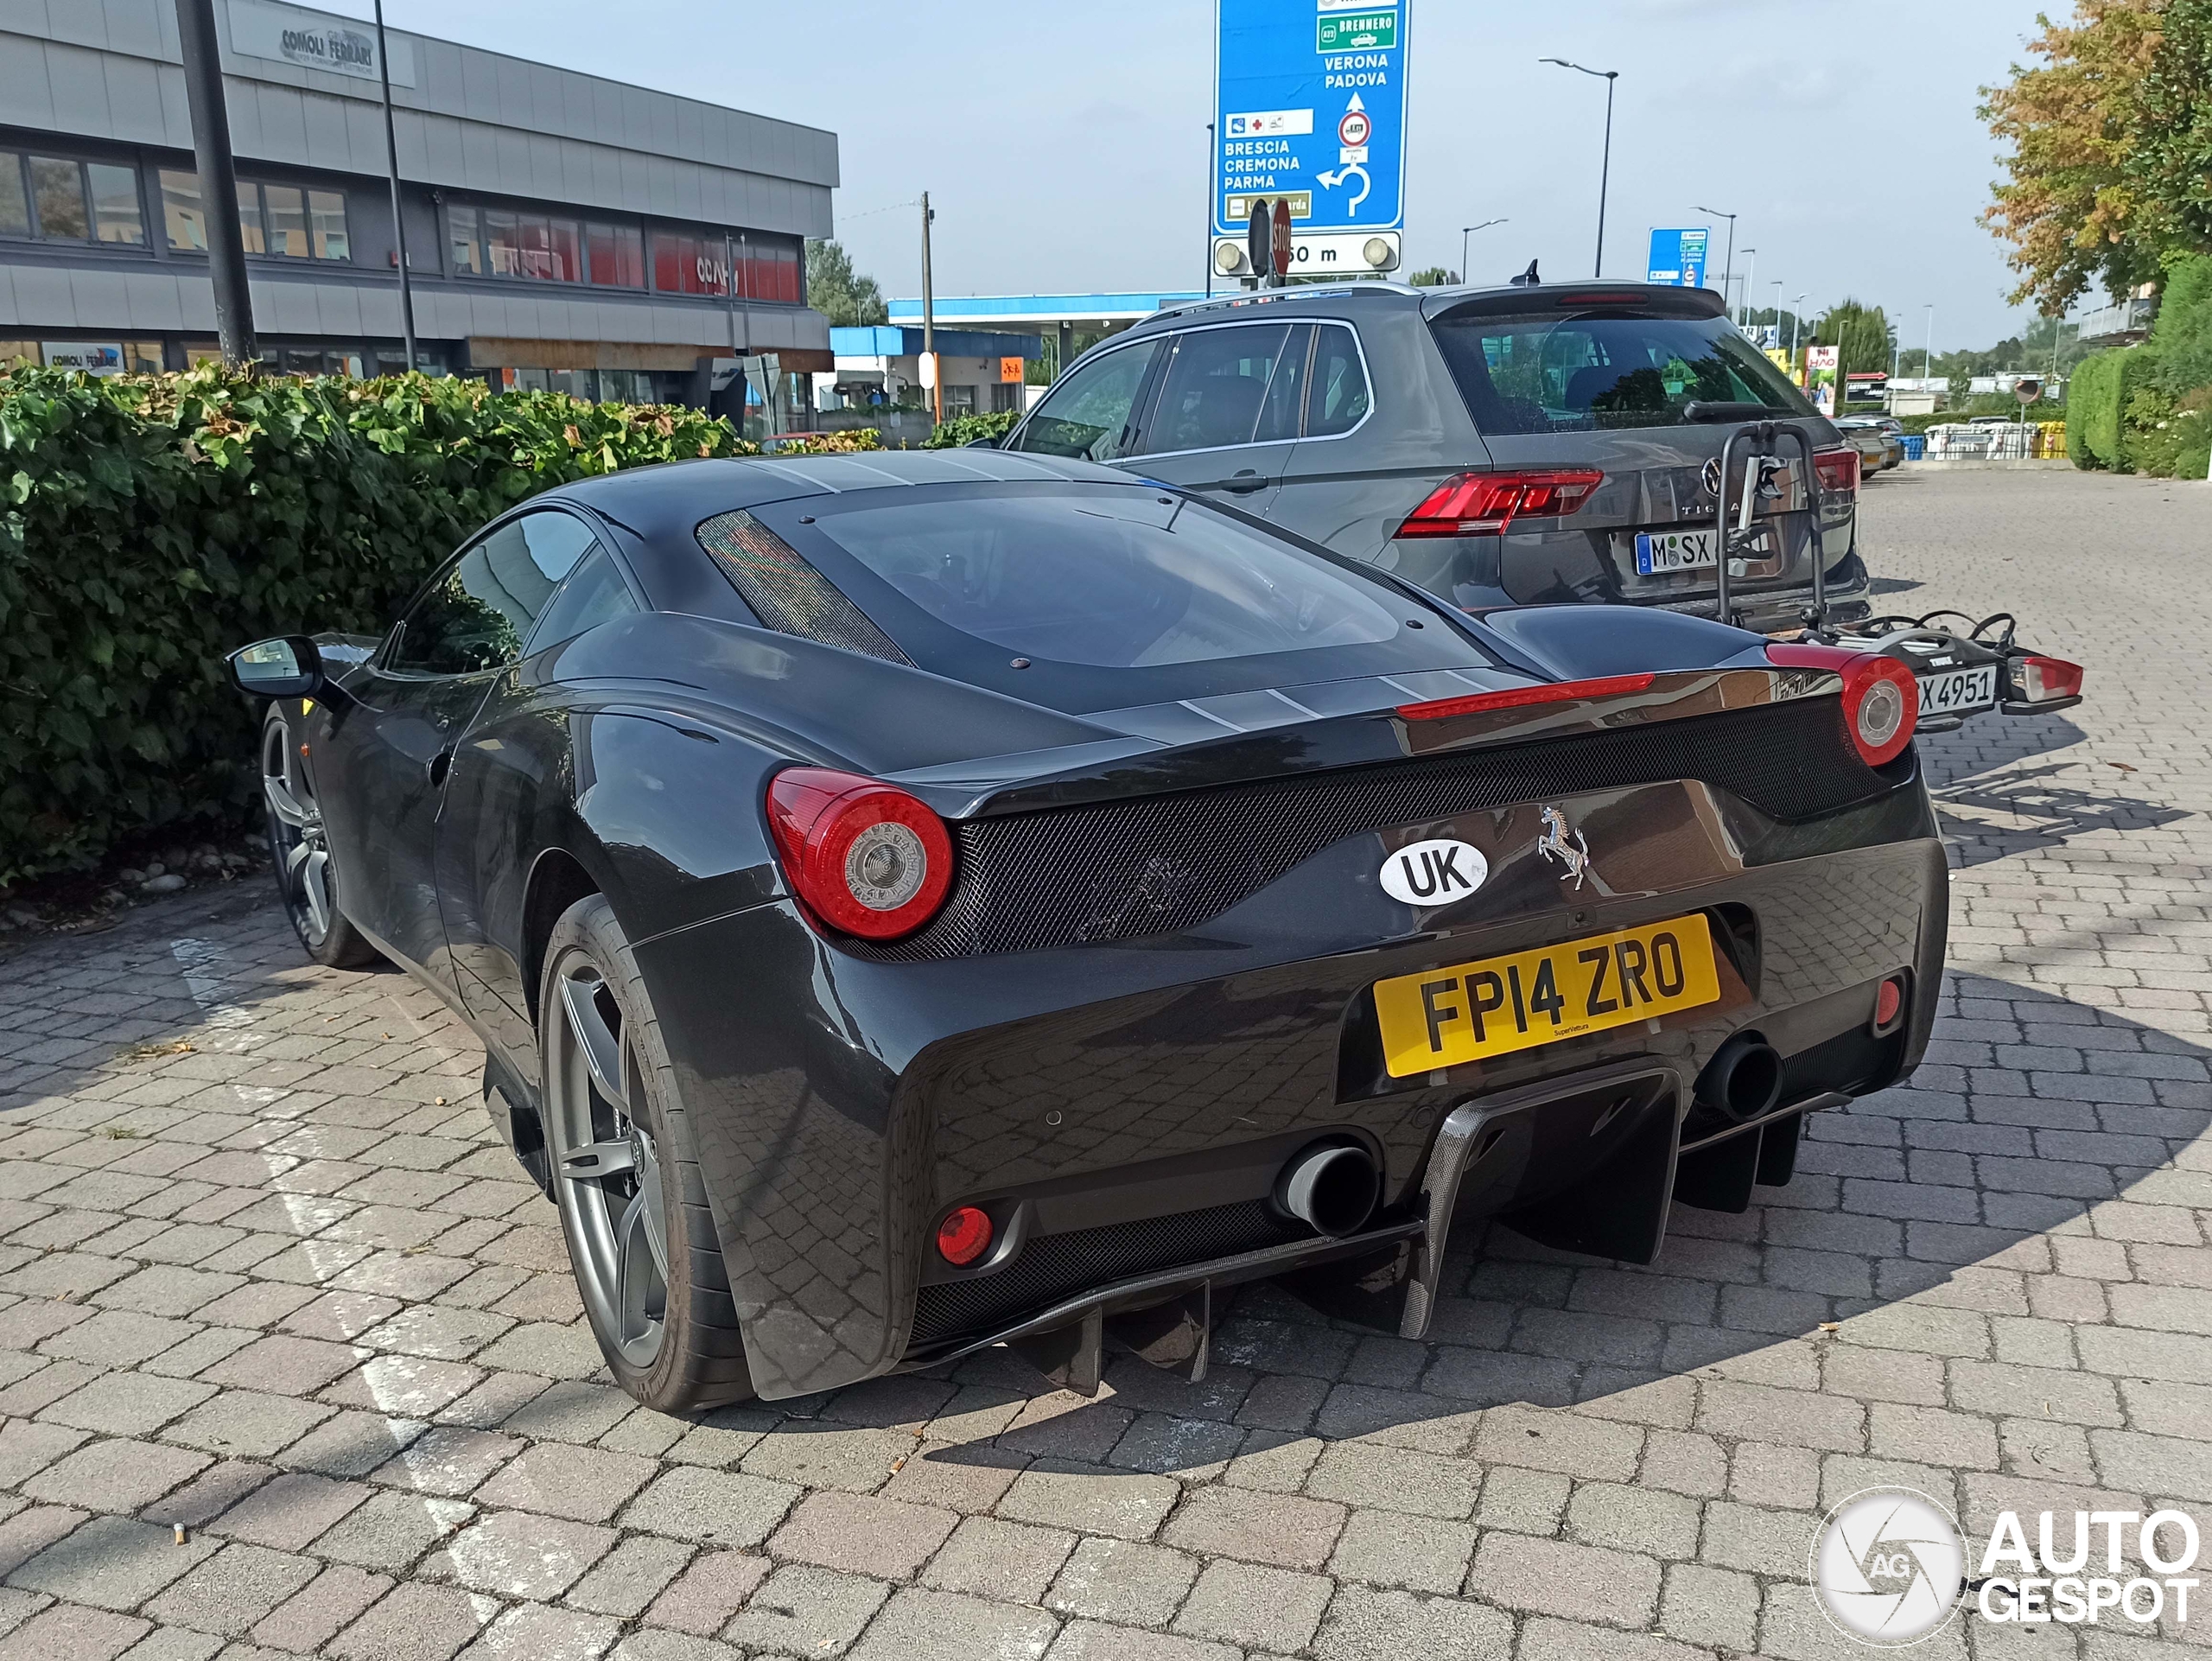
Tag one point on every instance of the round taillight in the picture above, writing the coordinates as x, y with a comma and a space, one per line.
1881, 700
964, 1234
1889, 999
865, 857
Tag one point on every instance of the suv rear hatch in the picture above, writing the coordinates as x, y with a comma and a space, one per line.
1641, 387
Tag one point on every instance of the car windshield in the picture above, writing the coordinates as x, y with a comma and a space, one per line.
1603, 371
1117, 578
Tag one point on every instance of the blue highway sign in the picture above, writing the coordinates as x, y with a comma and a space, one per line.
1310, 107
1678, 256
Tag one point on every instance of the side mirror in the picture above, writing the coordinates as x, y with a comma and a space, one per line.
289, 667
981, 444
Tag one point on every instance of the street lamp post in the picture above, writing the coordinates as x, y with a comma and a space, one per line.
398, 221
1928, 352
1606, 168
1728, 272
1466, 230
1751, 282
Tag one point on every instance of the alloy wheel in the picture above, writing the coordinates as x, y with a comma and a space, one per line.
606, 1166
296, 838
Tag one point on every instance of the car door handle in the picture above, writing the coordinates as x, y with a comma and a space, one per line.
440, 764
1244, 481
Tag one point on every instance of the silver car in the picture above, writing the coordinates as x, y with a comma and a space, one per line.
1498, 447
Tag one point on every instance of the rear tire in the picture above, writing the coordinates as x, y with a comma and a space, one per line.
299, 849
625, 1175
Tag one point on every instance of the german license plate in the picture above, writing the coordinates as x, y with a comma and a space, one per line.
1959, 692
1658, 551
1447, 1016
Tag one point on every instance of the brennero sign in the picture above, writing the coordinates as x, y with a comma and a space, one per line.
315, 41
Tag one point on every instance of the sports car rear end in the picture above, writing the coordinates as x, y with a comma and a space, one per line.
1251, 960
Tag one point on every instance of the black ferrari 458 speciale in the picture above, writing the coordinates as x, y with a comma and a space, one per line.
915, 902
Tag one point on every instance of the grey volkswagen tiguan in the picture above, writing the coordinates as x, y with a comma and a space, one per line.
1513, 446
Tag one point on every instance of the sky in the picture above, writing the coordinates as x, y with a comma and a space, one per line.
1064, 149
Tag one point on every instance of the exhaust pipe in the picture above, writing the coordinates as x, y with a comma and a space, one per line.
1744, 1079
1332, 1187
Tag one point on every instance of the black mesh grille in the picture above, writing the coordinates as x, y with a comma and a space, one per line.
1120, 870
785, 591
1058, 1265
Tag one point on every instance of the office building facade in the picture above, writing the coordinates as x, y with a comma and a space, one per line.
563, 231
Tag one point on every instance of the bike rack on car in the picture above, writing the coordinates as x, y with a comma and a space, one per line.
1928, 650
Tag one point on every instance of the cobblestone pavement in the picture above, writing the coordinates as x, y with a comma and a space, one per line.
266, 1276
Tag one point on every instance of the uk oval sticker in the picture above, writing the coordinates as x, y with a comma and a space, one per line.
1434, 873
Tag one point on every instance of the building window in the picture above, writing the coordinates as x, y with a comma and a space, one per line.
14, 199
58, 193
959, 401
499, 256
771, 273
115, 214
1005, 395
326, 222
63, 200
618, 255
250, 219
283, 220
184, 216
284, 212
467, 252
687, 263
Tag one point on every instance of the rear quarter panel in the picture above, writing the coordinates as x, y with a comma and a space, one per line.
1352, 492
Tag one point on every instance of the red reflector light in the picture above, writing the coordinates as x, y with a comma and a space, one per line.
2040, 680
1881, 700
1839, 471
864, 857
963, 1236
1469, 504
1888, 1001
1517, 698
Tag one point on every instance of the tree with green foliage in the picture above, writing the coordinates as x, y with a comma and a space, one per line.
2111, 145
1862, 333
848, 299
1434, 276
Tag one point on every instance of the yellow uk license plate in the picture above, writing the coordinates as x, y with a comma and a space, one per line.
1450, 1015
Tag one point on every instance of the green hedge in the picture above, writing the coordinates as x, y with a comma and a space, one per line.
148, 524
966, 430
2093, 399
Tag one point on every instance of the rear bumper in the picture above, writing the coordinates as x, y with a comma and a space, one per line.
1122, 1109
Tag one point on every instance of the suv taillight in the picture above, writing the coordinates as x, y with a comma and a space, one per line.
1881, 700
864, 857
2044, 680
1839, 471
1469, 504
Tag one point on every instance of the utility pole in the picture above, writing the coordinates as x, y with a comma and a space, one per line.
1751, 282
929, 319
1727, 272
1606, 168
1466, 230
1928, 352
399, 222
219, 179
1210, 178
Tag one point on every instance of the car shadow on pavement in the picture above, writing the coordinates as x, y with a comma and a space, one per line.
1915, 1272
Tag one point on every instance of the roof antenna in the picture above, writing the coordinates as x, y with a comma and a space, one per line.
1528, 279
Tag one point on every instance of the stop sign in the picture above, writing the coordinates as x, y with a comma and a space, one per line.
1282, 238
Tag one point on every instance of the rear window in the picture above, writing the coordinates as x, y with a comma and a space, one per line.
1114, 578
1604, 372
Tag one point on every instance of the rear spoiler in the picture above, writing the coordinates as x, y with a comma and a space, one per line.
1552, 298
